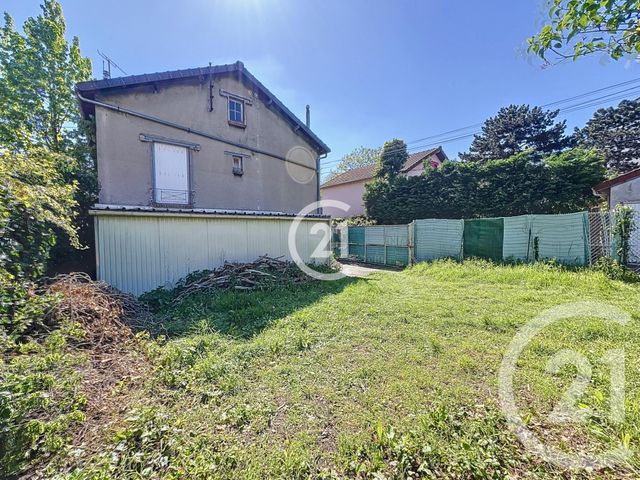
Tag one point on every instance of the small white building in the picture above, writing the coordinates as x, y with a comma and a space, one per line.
625, 190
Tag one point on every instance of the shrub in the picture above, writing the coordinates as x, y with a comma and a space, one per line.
519, 185
34, 201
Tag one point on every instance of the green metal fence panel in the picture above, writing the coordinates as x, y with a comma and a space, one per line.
396, 236
375, 254
517, 242
561, 237
438, 238
356, 235
374, 235
397, 256
483, 238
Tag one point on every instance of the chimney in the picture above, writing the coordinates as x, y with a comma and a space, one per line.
308, 122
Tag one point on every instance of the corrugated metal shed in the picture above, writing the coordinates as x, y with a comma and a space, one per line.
139, 251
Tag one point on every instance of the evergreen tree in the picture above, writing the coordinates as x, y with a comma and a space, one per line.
517, 128
392, 158
518, 185
615, 132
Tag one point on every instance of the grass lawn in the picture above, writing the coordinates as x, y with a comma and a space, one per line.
394, 375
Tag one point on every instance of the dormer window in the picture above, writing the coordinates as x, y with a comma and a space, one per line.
236, 111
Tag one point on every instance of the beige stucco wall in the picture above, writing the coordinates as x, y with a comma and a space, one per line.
125, 162
628, 192
351, 193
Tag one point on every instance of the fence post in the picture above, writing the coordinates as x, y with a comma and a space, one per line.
411, 231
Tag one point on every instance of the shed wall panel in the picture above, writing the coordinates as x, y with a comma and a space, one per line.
137, 253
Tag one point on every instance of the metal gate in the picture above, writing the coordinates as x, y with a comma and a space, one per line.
380, 244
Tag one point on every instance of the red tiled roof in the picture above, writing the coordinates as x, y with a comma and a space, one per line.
625, 177
368, 172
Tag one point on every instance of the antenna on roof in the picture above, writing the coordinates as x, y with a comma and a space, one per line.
106, 72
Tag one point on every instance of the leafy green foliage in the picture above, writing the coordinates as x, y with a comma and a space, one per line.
39, 110
35, 200
582, 27
392, 158
623, 226
38, 73
615, 132
513, 130
360, 157
39, 397
615, 271
518, 185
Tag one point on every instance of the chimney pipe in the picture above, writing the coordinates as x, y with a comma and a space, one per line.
308, 116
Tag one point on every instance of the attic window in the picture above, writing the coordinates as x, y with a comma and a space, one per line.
236, 112
237, 165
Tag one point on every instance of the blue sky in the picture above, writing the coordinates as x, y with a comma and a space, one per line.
370, 70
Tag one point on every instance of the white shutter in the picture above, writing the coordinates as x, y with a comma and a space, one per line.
171, 168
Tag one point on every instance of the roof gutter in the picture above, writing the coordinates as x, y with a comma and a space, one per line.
177, 126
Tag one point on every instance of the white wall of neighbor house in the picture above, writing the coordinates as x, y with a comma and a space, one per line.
627, 192
137, 252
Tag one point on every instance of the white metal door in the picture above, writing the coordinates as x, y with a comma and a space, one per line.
171, 169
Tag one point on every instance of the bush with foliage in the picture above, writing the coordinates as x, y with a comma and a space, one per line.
39, 110
34, 200
519, 185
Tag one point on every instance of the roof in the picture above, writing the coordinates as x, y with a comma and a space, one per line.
369, 171
625, 177
104, 208
89, 89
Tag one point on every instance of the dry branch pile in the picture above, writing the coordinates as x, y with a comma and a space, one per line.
261, 273
105, 314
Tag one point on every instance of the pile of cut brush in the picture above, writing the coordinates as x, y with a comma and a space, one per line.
106, 314
265, 272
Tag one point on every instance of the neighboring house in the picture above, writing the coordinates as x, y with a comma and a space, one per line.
349, 187
211, 144
625, 190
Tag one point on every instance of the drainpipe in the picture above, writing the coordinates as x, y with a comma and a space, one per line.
320, 157
184, 128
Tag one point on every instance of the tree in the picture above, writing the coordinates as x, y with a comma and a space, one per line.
392, 158
38, 107
360, 157
581, 27
38, 73
615, 132
34, 202
517, 128
518, 185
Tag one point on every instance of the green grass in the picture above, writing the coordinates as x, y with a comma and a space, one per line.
394, 375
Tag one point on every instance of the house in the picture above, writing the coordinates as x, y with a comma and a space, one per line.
196, 167
624, 189
349, 187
